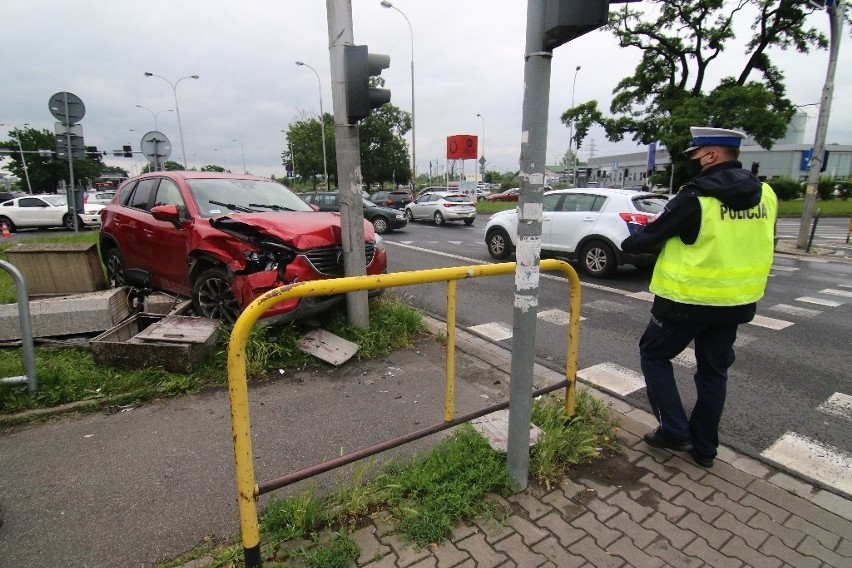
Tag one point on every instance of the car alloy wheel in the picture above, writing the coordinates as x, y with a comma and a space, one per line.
115, 268
409, 215
498, 244
380, 224
68, 221
439, 219
212, 296
597, 259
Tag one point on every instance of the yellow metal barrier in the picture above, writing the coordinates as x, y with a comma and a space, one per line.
247, 488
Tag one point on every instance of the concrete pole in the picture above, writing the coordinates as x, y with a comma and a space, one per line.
537, 64
835, 19
347, 148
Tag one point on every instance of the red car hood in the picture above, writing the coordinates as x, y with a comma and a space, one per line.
302, 230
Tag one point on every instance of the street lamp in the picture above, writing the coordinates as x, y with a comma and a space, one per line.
387, 4
482, 166
177, 107
244, 155
571, 133
292, 156
155, 114
322, 122
23, 159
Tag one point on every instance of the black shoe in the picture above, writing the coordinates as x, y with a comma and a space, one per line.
703, 461
657, 439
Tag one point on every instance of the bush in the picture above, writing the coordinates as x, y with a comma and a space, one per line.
786, 188
844, 189
825, 189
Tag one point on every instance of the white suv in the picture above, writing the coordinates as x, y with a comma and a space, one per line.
587, 225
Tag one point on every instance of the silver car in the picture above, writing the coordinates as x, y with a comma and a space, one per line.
440, 207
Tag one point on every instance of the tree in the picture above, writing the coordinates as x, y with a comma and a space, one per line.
305, 138
669, 90
46, 171
384, 152
169, 166
212, 168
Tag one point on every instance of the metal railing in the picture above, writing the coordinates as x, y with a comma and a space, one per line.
248, 490
26, 327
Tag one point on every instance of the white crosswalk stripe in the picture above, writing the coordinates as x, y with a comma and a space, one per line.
838, 404
784, 268
833, 292
495, 331
770, 323
795, 310
813, 459
613, 378
644, 296
819, 301
557, 317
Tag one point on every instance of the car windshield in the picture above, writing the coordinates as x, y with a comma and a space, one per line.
223, 196
649, 204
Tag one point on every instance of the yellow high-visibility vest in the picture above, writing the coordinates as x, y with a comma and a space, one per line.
729, 263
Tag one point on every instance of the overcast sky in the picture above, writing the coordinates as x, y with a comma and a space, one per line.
468, 58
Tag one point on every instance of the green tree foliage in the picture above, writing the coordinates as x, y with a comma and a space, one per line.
669, 90
114, 171
212, 168
169, 166
45, 172
384, 152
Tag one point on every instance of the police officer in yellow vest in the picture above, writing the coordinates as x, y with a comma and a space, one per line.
717, 238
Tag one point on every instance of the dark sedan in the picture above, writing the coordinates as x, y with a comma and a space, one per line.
384, 219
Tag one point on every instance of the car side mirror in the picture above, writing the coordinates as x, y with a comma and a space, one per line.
168, 213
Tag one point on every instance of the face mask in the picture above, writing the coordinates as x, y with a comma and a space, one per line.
694, 165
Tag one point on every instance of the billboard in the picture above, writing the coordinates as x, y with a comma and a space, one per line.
462, 147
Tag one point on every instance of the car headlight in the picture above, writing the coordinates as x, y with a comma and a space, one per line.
400, 216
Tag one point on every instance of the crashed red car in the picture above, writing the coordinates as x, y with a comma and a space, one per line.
223, 240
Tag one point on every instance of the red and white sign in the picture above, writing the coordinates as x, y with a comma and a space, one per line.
462, 147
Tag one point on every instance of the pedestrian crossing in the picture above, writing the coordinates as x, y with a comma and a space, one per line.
798, 453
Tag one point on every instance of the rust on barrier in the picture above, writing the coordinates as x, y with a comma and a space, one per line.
248, 490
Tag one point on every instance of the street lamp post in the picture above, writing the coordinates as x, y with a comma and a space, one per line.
155, 114
571, 134
387, 4
482, 166
243, 148
177, 107
322, 123
23, 159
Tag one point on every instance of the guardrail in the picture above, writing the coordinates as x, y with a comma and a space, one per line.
26, 326
247, 488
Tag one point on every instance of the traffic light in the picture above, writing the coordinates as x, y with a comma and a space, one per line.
128, 151
359, 65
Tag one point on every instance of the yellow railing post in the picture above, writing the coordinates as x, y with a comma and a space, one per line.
450, 387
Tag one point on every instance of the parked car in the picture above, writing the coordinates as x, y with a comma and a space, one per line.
45, 212
508, 195
7, 195
392, 199
384, 219
225, 239
99, 197
584, 224
441, 207
432, 189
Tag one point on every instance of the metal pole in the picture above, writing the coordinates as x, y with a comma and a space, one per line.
347, 146
23, 159
177, 109
322, 123
571, 134
243, 148
482, 166
836, 13
72, 192
387, 4
537, 64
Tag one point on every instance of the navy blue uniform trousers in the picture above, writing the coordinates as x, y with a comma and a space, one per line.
664, 340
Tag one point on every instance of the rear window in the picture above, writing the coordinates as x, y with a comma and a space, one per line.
649, 204
457, 199
399, 193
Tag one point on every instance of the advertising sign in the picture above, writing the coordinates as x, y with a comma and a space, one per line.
462, 147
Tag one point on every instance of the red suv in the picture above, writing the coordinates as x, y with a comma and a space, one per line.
224, 239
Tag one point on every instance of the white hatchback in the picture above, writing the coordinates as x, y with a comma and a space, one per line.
440, 207
587, 225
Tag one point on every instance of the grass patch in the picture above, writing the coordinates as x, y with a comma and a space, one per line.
70, 374
423, 498
830, 208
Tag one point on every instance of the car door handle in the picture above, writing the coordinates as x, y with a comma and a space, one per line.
148, 233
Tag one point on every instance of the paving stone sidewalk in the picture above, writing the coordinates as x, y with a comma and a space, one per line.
643, 507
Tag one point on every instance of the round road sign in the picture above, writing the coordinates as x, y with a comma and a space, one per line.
66, 107
156, 146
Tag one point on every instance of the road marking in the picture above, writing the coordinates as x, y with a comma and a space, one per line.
457, 243
607, 306
686, 358
557, 317
838, 404
770, 323
845, 285
495, 331
784, 268
813, 459
795, 310
833, 292
613, 378
819, 301
644, 296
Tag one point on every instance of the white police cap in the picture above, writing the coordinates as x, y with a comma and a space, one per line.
706, 136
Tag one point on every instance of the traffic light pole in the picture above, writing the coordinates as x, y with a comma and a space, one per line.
347, 149
537, 63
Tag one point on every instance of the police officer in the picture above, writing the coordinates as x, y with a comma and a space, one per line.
717, 239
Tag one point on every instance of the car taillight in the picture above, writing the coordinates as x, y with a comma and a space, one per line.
389, 202
637, 218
